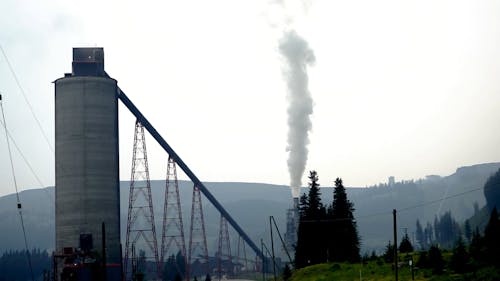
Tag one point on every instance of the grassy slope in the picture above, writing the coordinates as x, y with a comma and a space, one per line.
347, 272
373, 270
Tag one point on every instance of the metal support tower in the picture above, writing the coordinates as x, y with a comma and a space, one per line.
243, 262
224, 252
172, 240
141, 231
198, 250
161, 141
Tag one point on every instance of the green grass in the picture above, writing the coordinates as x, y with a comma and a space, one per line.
374, 270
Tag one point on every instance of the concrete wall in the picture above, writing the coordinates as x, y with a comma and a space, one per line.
87, 166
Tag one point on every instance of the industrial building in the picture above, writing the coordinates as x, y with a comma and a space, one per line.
87, 170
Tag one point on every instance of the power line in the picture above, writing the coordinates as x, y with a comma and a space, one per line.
17, 192
390, 212
27, 162
26, 99
438, 200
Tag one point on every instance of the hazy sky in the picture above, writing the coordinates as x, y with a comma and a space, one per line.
402, 88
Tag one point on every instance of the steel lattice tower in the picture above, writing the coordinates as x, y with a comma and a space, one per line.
198, 250
224, 252
242, 261
173, 228
141, 232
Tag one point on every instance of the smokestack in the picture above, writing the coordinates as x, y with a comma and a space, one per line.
299, 56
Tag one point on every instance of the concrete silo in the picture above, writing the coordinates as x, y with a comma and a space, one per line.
86, 162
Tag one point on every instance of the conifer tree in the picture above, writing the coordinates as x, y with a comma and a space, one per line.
460, 258
343, 242
405, 246
420, 235
436, 260
491, 238
389, 252
468, 231
310, 248
314, 207
492, 191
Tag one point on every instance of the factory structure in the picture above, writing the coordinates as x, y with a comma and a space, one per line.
87, 166
292, 225
87, 195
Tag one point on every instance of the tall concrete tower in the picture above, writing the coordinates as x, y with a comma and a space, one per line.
86, 160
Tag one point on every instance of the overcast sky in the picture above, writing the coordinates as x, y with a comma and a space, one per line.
401, 88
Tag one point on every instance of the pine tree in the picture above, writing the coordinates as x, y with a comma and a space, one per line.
420, 235
314, 206
405, 246
343, 242
389, 252
423, 260
460, 258
468, 231
436, 260
437, 231
303, 205
429, 234
491, 238
492, 191
476, 248
310, 248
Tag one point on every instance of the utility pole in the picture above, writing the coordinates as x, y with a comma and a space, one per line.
395, 245
272, 247
263, 260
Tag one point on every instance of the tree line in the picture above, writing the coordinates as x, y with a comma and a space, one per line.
326, 233
14, 265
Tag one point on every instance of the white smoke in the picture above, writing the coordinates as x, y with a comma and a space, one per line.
299, 56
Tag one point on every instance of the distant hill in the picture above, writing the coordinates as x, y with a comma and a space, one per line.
251, 204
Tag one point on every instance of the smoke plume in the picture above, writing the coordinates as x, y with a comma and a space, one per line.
299, 56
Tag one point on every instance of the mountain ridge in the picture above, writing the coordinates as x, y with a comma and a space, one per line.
251, 204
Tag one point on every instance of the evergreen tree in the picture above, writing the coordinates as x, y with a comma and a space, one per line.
491, 238
476, 247
446, 230
429, 234
437, 232
343, 234
436, 260
13, 264
420, 235
311, 240
303, 205
468, 231
389, 252
492, 191
314, 207
423, 260
460, 258
405, 246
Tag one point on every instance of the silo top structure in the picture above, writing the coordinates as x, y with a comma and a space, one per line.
87, 163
